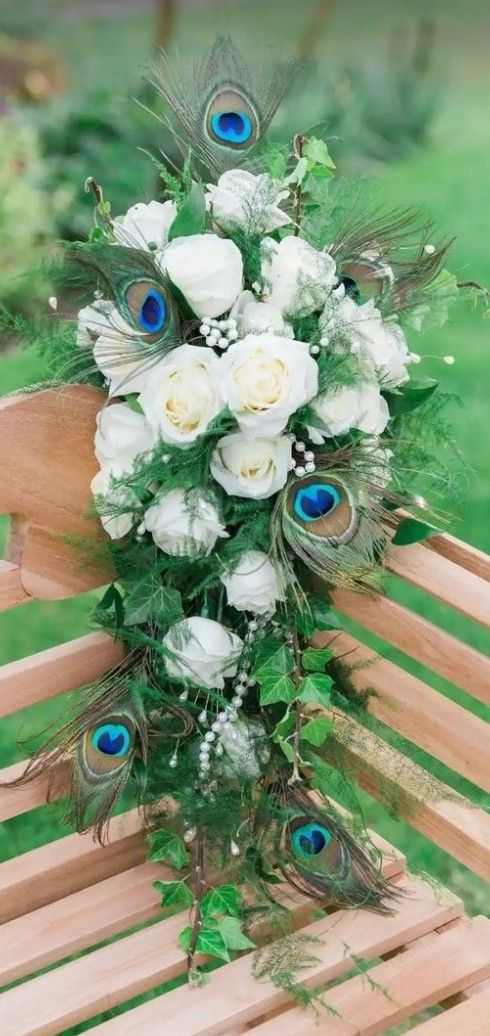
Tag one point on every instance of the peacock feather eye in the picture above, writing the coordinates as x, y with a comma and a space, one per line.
310, 840
147, 306
315, 501
107, 746
112, 739
230, 120
365, 280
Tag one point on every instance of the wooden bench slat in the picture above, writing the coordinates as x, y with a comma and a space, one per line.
55, 931
461, 553
428, 805
72, 863
15, 800
12, 592
91, 915
405, 985
56, 670
467, 1019
420, 639
234, 995
422, 715
443, 579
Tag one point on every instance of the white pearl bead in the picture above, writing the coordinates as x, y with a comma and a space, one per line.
210, 340
242, 675
184, 696
210, 736
300, 471
253, 625
217, 727
232, 335
222, 716
299, 447
173, 762
202, 717
223, 343
234, 848
190, 835
314, 350
236, 701
204, 330
309, 455
219, 750
310, 467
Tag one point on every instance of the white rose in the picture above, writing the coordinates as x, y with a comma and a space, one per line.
256, 318
111, 501
339, 319
145, 225
207, 269
252, 468
358, 406
184, 522
202, 651
253, 586
122, 435
297, 278
94, 320
380, 459
117, 353
181, 395
265, 379
384, 345
241, 199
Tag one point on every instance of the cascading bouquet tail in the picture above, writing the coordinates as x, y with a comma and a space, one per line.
262, 424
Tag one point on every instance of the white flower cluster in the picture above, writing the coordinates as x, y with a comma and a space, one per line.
244, 362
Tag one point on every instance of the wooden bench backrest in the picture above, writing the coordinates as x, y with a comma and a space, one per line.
46, 465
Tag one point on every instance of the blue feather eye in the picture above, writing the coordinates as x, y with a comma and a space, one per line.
153, 312
113, 739
315, 501
232, 127
230, 119
310, 839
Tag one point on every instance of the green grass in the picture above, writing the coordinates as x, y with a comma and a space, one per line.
449, 181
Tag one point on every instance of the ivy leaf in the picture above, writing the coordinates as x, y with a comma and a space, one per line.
316, 689
112, 599
316, 151
284, 727
314, 660
411, 395
325, 618
174, 892
233, 937
191, 217
276, 687
150, 598
225, 899
167, 846
209, 941
412, 530
316, 730
273, 655
287, 748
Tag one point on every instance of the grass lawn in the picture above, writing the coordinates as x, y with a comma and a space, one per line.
450, 181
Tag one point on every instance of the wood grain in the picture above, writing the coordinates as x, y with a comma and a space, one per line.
47, 463
420, 639
424, 716
57, 670
235, 996
443, 579
398, 988
72, 863
467, 1019
428, 805
12, 592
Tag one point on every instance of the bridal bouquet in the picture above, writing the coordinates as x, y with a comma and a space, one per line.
264, 417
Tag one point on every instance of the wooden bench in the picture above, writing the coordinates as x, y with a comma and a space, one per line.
68, 898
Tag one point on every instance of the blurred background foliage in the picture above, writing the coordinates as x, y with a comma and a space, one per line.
401, 92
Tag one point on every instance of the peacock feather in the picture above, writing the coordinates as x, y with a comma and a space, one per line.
333, 521
144, 311
318, 855
221, 113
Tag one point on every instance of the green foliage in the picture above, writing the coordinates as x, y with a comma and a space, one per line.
412, 530
209, 941
411, 395
315, 689
191, 217
224, 899
174, 893
168, 847
316, 731
314, 660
